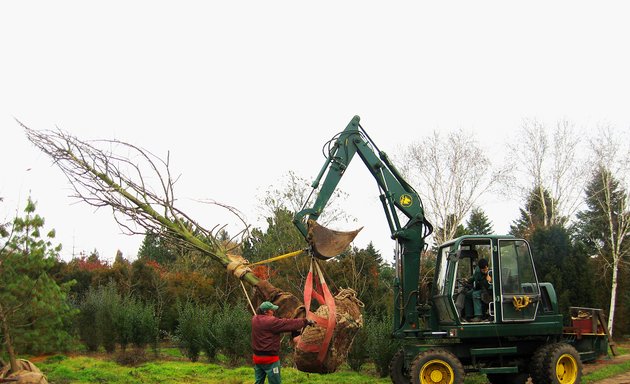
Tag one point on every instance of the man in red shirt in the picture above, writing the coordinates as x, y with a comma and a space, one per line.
266, 330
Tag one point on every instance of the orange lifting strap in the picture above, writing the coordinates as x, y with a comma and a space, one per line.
322, 294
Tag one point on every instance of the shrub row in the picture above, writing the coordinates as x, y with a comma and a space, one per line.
107, 319
212, 329
373, 343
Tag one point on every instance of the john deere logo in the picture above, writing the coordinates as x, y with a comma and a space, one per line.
406, 200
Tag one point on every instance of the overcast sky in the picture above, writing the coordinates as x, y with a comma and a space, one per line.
241, 92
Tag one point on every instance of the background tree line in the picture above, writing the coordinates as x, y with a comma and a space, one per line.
574, 213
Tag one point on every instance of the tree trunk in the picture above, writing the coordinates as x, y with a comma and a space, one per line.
7, 341
613, 296
543, 205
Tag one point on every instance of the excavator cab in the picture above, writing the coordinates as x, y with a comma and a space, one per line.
513, 295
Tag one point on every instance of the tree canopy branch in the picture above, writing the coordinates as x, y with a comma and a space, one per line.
123, 177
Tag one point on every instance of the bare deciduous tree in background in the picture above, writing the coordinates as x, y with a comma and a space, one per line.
611, 162
293, 193
551, 162
451, 173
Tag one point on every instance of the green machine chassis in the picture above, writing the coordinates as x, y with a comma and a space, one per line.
522, 332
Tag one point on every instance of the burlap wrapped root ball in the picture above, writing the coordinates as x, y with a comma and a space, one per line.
349, 321
26, 373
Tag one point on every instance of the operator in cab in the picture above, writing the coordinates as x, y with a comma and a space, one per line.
481, 281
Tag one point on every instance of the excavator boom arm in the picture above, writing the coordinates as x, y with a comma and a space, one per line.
397, 196
396, 193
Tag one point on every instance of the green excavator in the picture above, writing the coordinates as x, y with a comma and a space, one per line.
520, 333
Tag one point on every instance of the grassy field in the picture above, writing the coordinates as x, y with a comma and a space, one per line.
606, 372
61, 369
85, 369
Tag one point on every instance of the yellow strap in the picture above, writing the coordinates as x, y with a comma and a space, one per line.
287, 255
520, 302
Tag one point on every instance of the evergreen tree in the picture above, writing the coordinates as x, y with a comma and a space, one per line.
478, 223
363, 270
190, 328
452, 226
154, 248
279, 238
565, 265
144, 277
532, 215
593, 223
604, 227
34, 312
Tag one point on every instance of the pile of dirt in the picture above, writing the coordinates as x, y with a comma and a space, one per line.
348, 322
26, 373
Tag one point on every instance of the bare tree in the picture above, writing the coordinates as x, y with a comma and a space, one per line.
611, 163
139, 188
452, 174
293, 192
548, 162
568, 171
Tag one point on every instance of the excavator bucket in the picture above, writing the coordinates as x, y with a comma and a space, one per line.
327, 243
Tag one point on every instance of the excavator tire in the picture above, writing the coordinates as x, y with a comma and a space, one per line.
397, 371
560, 365
537, 362
437, 366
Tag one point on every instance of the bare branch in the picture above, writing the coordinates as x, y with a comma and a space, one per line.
137, 185
453, 174
549, 161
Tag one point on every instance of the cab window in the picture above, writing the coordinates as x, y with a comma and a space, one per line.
517, 268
